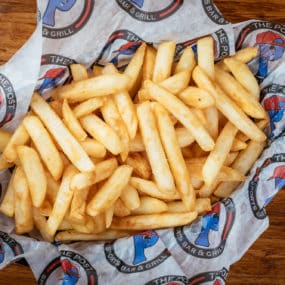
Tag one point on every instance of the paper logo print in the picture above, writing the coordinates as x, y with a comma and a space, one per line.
2, 252
215, 227
71, 272
59, 9
213, 13
137, 10
169, 280
211, 277
142, 247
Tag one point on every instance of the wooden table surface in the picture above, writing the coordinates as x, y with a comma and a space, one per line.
264, 262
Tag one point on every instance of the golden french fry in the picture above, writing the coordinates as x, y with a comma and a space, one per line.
150, 205
202, 205
69, 145
41, 224
78, 72
23, 203
7, 204
19, 137
35, 173
4, 164
5, 136
75, 236
186, 62
246, 54
82, 180
245, 100
65, 225
196, 183
231, 158
212, 121
154, 221
88, 226
45, 146
102, 132
148, 64
130, 197
228, 107
243, 75
93, 148
57, 107
154, 149
87, 107
219, 154
120, 209
109, 68
206, 191
101, 85
109, 216
62, 202
200, 116
202, 159
45, 208
52, 188
110, 191
140, 165
99, 223
176, 83
97, 70
174, 156
163, 61
238, 145
205, 51
183, 114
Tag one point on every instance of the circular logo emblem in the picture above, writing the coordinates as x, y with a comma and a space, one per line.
215, 227
142, 253
169, 280
138, 9
213, 13
277, 177
219, 277
73, 266
72, 15
9, 247
8, 100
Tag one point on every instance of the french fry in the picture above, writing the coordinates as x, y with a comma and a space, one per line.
212, 121
109, 216
183, 114
176, 83
228, 107
154, 149
246, 54
35, 173
243, 75
5, 136
94, 87
238, 145
97, 70
93, 148
57, 107
196, 183
206, 190
45, 146
23, 203
87, 107
52, 188
130, 197
150, 205
140, 165
154, 221
200, 116
174, 157
148, 64
62, 202
120, 209
7, 204
202, 205
4, 164
88, 226
102, 132
69, 145
110, 191
45, 208
78, 72
19, 137
65, 225
186, 62
41, 224
163, 61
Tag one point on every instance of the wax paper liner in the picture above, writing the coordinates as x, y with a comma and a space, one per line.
96, 32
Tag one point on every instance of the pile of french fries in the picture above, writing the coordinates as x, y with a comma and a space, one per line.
151, 147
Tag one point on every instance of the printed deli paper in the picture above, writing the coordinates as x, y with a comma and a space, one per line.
94, 32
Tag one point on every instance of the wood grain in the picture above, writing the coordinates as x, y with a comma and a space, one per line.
264, 262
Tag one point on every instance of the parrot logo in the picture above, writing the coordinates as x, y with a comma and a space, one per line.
275, 106
271, 47
141, 242
71, 273
139, 3
2, 252
209, 222
53, 5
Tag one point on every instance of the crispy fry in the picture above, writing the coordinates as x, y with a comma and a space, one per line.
212, 121
5, 136
52, 188
87, 107
97, 70
120, 209
109, 216
238, 145
202, 205
93, 148
150, 205
130, 197
78, 72
7, 206
140, 165
4, 164
148, 64
41, 224
246, 54
186, 62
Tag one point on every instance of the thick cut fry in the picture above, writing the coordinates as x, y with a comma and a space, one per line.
99, 223
219, 154
228, 107
52, 188
202, 159
243, 164
110, 68
4, 164
7, 205
149, 188
183, 114
150, 205
23, 203
113, 118
78, 72
5, 136
238, 145
87, 228
120, 209
245, 100
186, 62
75, 236
41, 224
57, 107
206, 191
176, 83
196, 97
102, 132
154, 149
93, 148
62, 202
35, 173
174, 157
94, 87
205, 51
87, 107
140, 164
155, 221
97, 70
196, 183
45, 146
246, 54
69, 145
212, 121
109, 216
243, 75
202, 205
110, 191
148, 64
82, 180
19, 137
46, 208
130, 197
65, 225
163, 61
